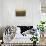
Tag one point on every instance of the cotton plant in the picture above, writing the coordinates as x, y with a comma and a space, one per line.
45, 26
34, 39
41, 26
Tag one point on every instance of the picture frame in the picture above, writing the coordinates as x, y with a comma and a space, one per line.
20, 13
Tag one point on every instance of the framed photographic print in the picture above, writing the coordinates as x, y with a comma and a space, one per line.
20, 13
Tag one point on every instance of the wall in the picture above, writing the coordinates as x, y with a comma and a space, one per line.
32, 8
43, 10
0, 12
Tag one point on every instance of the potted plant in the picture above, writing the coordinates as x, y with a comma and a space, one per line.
41, 27
34, 39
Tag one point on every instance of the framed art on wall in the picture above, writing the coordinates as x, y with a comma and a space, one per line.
20, 13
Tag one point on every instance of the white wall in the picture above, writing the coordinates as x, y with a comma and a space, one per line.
32, 8
0, 13
43, 10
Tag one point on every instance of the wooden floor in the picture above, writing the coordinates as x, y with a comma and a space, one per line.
42, 41
16, 44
